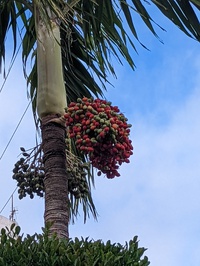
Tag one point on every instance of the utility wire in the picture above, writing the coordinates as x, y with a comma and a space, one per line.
13, 59
8, 146
2, 86
10, 67
8, 200
15, 130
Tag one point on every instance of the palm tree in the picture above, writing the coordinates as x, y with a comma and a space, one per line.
71, 43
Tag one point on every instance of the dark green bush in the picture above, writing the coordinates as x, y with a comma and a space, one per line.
41, 250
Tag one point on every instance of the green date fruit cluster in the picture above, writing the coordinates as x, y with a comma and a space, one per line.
29, 177
77, 176
100, 132
29, 174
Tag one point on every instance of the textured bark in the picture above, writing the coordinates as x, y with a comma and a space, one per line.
55, 181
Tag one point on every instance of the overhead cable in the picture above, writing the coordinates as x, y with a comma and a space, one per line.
8, 200
10, 67
15, 130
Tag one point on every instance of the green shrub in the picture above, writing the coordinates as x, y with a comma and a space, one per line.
41, 250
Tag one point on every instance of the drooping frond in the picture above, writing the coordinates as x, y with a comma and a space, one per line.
183, 14
8, 20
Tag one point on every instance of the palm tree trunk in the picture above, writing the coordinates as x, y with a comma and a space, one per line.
55, 182
51, 101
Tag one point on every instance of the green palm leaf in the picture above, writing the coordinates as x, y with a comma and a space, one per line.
182, 14
8, 18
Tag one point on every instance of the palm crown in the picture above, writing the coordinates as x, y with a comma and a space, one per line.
91, 33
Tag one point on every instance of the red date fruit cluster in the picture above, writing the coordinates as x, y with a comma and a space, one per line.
101, 133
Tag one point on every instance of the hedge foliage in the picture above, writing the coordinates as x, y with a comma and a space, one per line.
41, 250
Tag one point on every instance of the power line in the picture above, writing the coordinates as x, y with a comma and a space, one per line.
2, 86
13, 58
7, 148
10, 67
15, 130
8, 200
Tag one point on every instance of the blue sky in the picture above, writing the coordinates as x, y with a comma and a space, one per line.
157, 195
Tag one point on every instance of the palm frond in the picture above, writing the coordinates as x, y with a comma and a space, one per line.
8, 20
196, 3
182, 14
